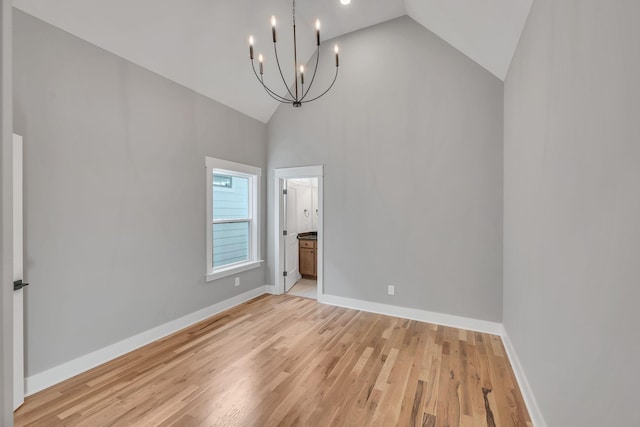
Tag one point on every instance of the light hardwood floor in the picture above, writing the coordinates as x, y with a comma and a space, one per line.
284, 360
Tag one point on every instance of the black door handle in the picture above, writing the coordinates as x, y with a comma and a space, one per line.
19, 284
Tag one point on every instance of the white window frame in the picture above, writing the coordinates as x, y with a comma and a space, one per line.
254, 174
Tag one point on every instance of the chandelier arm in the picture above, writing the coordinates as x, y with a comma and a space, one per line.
275, 49
328, 89
271, 93
276, 96
304, 94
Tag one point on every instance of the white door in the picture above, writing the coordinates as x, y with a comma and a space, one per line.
18, 293
314, 207
291, 239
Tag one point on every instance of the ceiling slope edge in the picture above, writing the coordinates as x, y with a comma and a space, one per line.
487, 32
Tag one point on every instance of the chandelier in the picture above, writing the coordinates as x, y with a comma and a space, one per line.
298, 95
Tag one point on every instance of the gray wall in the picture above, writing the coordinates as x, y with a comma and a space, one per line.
411, 136
572, 209
114, 193
6, 224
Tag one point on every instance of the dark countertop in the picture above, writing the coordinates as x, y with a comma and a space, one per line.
312, 235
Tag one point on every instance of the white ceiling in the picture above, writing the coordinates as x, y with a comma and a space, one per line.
202, 44
487, 31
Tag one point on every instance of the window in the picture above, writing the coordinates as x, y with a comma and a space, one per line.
223, 181
232, 218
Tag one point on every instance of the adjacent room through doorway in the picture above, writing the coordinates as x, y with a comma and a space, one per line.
301, 225
298, 244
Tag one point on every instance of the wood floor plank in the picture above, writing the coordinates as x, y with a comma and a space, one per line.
287, 361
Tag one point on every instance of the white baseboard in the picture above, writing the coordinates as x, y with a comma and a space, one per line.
62, 372
59, 373
415, 314
525, 388
456, 322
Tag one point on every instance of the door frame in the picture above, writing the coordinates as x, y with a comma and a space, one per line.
280, 175
18, 273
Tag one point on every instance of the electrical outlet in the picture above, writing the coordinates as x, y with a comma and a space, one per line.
391, 290
237, 282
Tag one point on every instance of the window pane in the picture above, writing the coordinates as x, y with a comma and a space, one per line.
222, 181
230, 243
231, 200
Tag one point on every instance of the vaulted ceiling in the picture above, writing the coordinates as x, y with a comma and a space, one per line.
202, 44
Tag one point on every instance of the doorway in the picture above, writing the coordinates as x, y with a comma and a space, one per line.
301, 240
299, 236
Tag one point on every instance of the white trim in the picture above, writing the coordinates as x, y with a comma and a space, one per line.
278, 249
299, 172
254, 175
17, 248
290, 173
523, 383
208, 217
485, 326
320, 242
59, 373
232, 167
233, 269
231, 221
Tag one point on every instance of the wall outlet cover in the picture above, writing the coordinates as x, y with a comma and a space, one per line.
391, 290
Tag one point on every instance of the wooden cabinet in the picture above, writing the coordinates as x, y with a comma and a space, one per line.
308, 258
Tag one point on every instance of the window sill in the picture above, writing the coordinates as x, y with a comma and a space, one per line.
235, 269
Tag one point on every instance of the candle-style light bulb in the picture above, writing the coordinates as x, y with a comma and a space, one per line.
251, 47
337, 51
318, 32
261, 60
302, 74
273, 28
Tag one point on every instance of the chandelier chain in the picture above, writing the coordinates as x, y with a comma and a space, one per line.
294, 12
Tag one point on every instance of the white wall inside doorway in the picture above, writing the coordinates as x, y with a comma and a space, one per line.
306, 203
